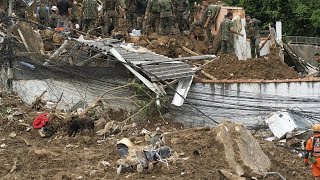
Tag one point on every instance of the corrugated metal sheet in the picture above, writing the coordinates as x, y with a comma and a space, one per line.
154, 64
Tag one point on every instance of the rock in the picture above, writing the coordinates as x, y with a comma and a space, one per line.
56, 38
163, 40
13, 134
142, 43
100, 124
41, 133
174, 141
243, 153
17, 115
230, 176
155, 43
133, 39
153, 36
3, 145
44, 152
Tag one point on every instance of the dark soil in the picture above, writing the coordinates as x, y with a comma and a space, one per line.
268, 68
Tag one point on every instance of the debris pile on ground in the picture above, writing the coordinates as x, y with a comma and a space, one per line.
196, 153
242, 151
174, 46
269, 68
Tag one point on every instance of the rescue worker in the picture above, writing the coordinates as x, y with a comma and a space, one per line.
180, 8
166, 14
152, 17
110, 12
226, 31
141, 10
131, 15
252, 30
53, 19
89, 14
64, 11
207, 19
42, 14
313, 154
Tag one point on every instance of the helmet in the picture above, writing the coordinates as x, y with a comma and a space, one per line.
54, 8
126, 142
316, 128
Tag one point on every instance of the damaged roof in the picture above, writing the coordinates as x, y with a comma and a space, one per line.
157, 67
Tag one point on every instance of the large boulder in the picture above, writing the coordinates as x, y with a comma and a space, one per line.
243, 153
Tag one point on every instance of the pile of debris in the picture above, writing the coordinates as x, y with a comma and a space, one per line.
268, 68
175, 46
227, 151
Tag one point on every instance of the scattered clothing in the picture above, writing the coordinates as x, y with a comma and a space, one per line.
40, 121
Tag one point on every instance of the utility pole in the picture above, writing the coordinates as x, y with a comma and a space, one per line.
10, 48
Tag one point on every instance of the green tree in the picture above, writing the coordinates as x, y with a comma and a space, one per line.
299, 17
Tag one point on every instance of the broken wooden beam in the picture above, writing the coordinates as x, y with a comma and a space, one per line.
59, 51
189, 51
264, 42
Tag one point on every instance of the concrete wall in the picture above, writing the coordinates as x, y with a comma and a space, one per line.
73, 92
306, 52
247, 103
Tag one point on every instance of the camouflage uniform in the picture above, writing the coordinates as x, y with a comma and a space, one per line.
226, 36
202, 21
43, 12
252, 30
141, 9
110, 9
211, 11
53, 20
89, 14
152, 16
131, 16
166, 13
181, 6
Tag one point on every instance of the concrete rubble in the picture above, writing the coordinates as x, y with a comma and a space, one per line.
243, 153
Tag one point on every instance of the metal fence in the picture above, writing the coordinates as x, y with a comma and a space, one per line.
303, 40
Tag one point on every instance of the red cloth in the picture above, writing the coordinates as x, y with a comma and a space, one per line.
40, 121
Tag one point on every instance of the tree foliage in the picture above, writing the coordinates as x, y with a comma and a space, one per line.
299, 17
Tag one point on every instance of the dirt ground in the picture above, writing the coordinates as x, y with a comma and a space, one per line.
268, 68
25, 155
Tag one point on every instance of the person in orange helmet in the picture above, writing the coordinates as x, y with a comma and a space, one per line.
313, 154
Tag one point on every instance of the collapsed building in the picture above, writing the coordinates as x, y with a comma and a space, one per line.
79, 70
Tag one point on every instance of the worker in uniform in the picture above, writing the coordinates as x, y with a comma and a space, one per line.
53, 18
226, 31
141, 10
208, 16
131, 14
166, 14
110, 12
89, 14
252, 30
42, 13
180, 8
313, 154
152, 17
